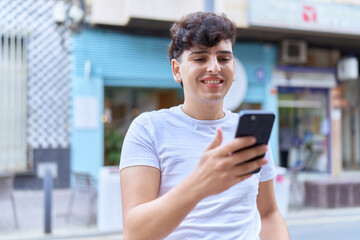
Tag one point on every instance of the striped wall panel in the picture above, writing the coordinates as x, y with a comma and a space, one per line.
123, 59
48, 68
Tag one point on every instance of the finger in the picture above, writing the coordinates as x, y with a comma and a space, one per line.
248, 167
217, 140
237, 144
240, 178
248, 154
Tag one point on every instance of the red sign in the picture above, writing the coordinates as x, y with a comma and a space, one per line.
309, 14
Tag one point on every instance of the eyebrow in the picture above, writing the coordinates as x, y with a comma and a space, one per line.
207, 52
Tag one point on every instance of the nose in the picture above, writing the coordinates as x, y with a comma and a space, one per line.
213, 66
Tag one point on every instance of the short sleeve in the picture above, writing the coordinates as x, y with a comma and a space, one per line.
138, 147
268, 171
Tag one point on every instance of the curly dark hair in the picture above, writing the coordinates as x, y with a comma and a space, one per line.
200, 28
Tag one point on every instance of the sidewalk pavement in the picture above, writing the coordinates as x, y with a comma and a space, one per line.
310, 216
324, 224
30, 210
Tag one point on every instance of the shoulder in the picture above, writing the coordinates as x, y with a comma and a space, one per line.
151, 115
157, 115
156, 118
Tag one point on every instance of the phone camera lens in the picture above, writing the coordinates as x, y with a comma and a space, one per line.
253, 117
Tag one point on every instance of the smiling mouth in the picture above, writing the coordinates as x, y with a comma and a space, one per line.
212, 82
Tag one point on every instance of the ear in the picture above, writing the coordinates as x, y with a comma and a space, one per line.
175, 67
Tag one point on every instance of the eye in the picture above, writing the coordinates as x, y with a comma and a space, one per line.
200, 59
224, 59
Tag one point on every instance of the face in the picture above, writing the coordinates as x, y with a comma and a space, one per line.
206, 72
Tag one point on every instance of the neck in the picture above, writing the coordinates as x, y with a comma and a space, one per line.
204, 111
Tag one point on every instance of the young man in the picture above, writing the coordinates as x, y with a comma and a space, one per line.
180, 178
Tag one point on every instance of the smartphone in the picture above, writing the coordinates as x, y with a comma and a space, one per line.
256, 123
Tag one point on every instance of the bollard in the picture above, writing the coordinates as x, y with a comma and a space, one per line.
47, 201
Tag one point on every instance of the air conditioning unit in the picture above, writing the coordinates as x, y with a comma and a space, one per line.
293, 52
348, 68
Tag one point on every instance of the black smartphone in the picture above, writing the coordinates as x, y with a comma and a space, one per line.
257, 123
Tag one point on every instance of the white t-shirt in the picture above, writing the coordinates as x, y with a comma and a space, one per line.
173, 142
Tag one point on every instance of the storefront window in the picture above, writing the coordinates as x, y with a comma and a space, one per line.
303, 128
122, 105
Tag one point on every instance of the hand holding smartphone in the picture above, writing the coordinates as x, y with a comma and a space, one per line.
257, 123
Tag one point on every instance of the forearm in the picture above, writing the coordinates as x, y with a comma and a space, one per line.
274, 227
158, 218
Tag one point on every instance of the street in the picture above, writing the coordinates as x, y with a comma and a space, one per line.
321, 224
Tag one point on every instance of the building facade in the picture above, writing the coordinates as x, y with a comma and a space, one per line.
35, 90
80, 87
317, 43
307, 40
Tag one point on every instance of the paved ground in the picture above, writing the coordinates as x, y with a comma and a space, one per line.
30, 210
30, 205
324, 224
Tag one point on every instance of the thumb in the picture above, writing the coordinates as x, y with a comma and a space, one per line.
217, 140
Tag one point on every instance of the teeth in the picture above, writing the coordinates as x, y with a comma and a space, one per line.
212, 82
